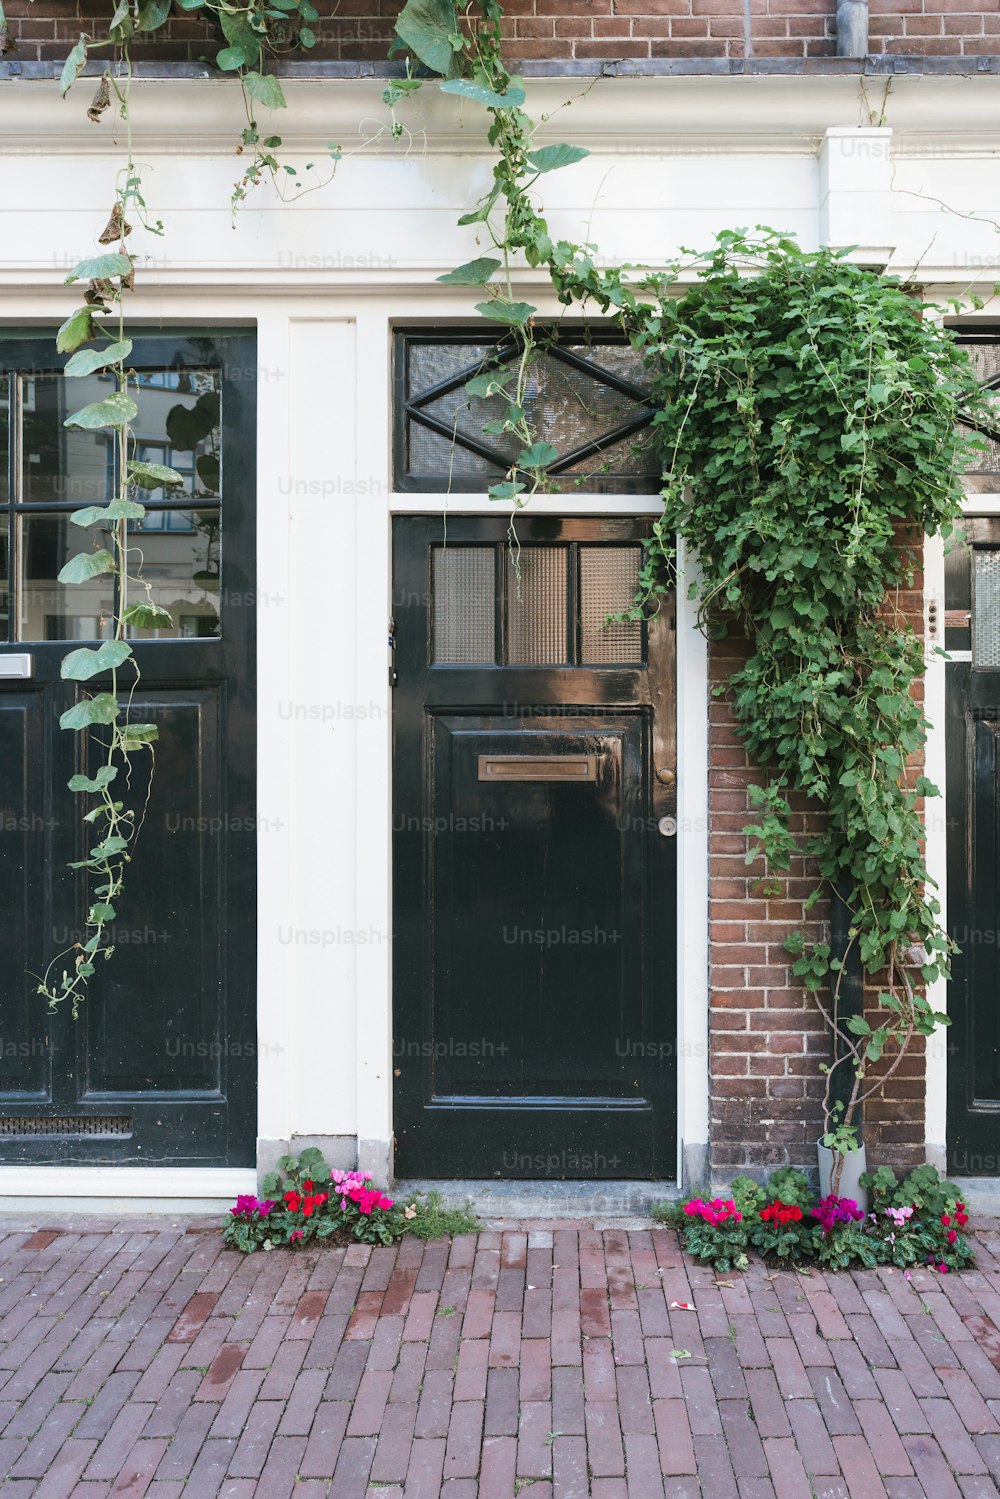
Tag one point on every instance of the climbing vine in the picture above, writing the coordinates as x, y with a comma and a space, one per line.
806, 417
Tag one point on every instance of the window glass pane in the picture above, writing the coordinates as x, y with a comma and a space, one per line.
50, 610
536, 606
464, 606
67, 464
180, 563
178, 425
4, 437
572, 398
985, 358
608, 577
5, 632
986, 613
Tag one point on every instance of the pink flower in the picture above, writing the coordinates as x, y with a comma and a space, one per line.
297, 1234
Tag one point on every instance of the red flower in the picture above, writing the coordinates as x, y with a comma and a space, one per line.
952, 1236
307, 1186
945, 1220
292, 1201
779, 1212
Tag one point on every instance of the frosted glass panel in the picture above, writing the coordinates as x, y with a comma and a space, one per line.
986, 615
607, 586
536, 606
464, 606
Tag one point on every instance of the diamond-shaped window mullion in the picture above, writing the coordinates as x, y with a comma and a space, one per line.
594, 407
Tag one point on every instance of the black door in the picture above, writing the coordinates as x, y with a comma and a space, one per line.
534, 947
160, 1065
972, 637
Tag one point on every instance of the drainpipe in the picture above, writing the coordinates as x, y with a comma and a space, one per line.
851, 998
852, 28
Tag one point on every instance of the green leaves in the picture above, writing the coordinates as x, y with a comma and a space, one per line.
153, 475
515, 314
73, 66
86, 361
100, 268
91, 710
472, 273
265, 88
426, 27
230, 58
84, 663
86, 565
551, 158
101, 780
78, 329
99, 515
539, 455
146, 616
136, 735
466, 89
116, 410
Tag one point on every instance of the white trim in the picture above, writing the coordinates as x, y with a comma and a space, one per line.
186, 1182
935, 814
692, 869
563, 504
638, 116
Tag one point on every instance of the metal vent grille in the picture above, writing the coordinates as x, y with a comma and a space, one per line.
608, 577
106, 1125
464, 585
986, 609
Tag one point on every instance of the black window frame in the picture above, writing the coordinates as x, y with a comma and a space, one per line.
557, 340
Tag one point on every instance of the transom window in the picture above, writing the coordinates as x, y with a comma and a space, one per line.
982, 474
587, 394
48, 470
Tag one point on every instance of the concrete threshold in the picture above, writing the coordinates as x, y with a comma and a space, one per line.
548, 1199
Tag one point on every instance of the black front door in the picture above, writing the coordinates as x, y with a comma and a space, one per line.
534, 930
160, 1066
972, 637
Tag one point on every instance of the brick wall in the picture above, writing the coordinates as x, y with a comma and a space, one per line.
766, 1036
564, 30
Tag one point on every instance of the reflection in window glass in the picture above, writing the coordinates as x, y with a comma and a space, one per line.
51, 610
4, 437
64, 464
4, 580
181, 566
178, 425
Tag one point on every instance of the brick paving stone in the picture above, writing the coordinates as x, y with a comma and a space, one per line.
880, 1433
930, 1466
139, 1359
642, 1466
423, 1477
325, 1438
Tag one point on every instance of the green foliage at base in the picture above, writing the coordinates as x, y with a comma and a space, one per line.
919, 1221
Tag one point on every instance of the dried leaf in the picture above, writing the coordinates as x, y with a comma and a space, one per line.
114, 230
681, 1306
101, 100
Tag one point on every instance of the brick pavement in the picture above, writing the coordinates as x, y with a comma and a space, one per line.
139, 1357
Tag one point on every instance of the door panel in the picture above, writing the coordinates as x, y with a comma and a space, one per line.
24, 826
160, 1065
534, 896
973, 769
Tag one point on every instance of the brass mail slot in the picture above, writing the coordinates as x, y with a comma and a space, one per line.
538, 767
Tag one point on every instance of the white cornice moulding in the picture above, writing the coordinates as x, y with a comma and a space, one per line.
682, 116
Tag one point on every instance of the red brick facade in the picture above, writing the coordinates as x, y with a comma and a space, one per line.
574, 30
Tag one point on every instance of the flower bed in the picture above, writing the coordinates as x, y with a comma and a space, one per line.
304, 1200
919, 1221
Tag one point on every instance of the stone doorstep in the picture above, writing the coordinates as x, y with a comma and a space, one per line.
548, 1199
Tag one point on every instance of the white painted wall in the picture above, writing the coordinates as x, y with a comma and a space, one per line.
324, 280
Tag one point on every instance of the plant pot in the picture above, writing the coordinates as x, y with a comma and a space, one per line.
854, 1165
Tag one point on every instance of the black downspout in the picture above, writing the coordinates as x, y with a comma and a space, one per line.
851, 998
